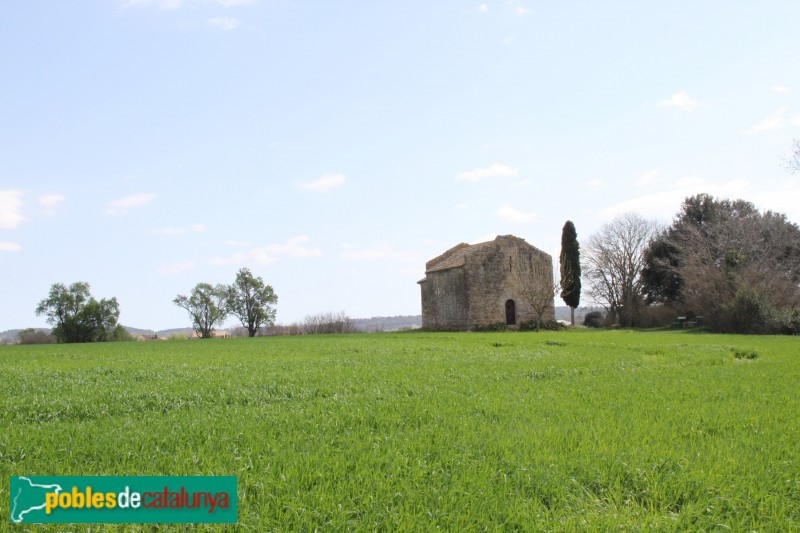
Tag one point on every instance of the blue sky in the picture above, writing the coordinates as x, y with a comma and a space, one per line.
334, 147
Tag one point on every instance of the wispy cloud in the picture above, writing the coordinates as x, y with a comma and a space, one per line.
484, 238
223, 23
483, 8
196, 228
773, 121
295, 248
324, 183
127, 203
178, 4
780, 88
382, 252
650, 177
11, 208
160, 4
681, 100
177, 268
518, 9
238, 244
509, 214
10, 247
50, 200
494, 171
595, 183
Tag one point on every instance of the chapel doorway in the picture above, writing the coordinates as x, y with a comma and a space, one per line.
511, 313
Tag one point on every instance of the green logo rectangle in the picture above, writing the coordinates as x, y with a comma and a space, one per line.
122, 499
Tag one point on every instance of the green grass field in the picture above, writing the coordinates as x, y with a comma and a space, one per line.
563, 431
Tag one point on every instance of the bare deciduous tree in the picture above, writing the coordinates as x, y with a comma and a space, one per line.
793, 162
537, 290
612, 263
741, 272
328, 323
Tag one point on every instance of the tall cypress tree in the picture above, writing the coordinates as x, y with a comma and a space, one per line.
570, 268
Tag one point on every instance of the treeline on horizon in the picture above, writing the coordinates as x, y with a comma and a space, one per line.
722, 263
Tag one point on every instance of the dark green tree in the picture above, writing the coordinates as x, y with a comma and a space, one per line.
570, 261
251, 301
207, 307
76, 316
726, 260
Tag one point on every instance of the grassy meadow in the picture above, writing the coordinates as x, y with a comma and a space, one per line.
555, 431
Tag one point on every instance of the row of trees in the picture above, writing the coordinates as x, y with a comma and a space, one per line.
249, 299
725, 260
76, 316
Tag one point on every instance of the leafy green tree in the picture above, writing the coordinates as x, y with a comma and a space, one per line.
207, 306
570, 261
76, 316
251, 301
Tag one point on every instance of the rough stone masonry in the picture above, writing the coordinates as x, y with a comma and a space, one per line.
504, 281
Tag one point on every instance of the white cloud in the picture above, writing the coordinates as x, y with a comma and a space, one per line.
134, 201
10, 208
381, 252
595, 183
509, 214
483, 8
294, 248
177, 268
223, 23
771, 122
323, 184
10, 247
494, 171
681, 100
780, 88
664, 203
50, 200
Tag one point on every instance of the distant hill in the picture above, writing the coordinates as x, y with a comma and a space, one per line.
377, 323
388, 323
11, 336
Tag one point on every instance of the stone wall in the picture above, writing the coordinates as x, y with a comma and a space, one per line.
445, 300
474, 294
510, 270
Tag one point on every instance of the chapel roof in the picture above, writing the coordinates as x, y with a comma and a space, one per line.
457, 255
